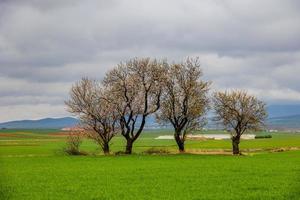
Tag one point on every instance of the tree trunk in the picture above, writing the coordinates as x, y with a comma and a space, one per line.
133, 137
105, 148
180, 142
235, 146
181, 147
128, 146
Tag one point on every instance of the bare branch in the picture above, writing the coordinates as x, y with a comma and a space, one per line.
98, 115
135, 89
185, 100
239, 112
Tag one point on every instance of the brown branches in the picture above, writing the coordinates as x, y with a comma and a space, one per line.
184, 101
99, 117
238, 112
135, 89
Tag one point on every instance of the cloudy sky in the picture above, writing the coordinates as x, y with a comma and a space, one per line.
45, 46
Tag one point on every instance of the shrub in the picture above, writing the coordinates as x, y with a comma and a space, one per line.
74, 141
118, 153
263, 136
156, 151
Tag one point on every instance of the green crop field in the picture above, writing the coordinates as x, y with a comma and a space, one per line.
33, 166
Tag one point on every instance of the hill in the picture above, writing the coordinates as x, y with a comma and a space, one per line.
280, 116
283, 110
51, 123
292, 122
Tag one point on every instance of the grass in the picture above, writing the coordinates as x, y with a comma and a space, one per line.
32, 167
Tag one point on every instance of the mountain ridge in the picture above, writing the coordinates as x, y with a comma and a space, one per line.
280, 116
55, 123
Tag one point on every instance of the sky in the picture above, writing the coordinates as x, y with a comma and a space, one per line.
46, 46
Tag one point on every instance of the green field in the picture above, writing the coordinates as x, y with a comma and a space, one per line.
33, 166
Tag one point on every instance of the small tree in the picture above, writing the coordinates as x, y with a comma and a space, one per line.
74, 140
184, 101
135, 90
98, 116
239, 112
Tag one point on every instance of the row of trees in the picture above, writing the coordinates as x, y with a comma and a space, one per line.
174, 92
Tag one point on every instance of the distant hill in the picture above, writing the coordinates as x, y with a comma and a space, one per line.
280, 116
284, 116
285, 122
58, 123
283, 110
51, 123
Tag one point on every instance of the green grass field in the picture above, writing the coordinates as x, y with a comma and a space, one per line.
32, 166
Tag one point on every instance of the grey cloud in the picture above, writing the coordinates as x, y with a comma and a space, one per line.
47, 45
19, 87
273, 76
31, 100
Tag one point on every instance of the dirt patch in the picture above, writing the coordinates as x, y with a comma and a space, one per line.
8, 135
59, 134
244, 151
276, 149
209, 151
282, 149
32, 140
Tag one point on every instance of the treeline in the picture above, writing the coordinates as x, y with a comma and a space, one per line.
174, 92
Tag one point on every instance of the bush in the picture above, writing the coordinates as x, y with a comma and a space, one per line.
118, 153
156, 151
74, 141
263, 136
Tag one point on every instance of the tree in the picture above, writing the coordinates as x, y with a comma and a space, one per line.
135, 90
184, 101
98, 116
239, 112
